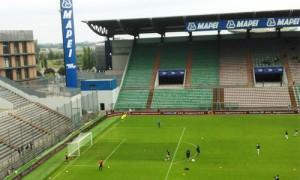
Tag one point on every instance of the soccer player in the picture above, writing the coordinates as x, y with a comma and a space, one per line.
168, 156
257, 149
158, 123
66, 157
286, 135
296, 132
198, 150
276, 177
188, 154
101, 162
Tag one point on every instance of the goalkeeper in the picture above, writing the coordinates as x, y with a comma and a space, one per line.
123, 116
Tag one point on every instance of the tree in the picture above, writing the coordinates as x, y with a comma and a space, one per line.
49, 71
38, 73
37, 51
43, 60
51, 54
61, 71
88, 58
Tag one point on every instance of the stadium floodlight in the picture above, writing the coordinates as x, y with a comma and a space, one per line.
83, 139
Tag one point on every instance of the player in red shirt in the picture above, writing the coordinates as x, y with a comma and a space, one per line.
101, 162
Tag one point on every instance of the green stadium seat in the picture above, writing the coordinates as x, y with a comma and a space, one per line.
182, 98
205, 64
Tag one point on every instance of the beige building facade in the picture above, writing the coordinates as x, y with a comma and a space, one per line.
17, 55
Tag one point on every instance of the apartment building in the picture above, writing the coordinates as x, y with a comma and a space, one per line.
17, 55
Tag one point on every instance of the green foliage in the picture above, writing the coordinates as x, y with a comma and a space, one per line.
37, 52
49, 71
88, 58
43, 61
61, 71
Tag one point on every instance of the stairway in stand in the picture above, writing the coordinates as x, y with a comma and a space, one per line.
287, 70
153, 77
250, 70
188, 68
292, 97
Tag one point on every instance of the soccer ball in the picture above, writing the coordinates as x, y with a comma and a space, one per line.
193, 160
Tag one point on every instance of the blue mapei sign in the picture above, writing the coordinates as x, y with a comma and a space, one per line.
171, 73
243, 24
269, 70
69, 42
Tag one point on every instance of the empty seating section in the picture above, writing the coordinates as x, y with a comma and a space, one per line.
132, 99
267, 97
138, 76
28, 124
205, 64
173, 56
294, 65
16, 133
182, 98
139, 70
12, 97
266, 60
265, 53
39, 116
227, 63
297, 94
5, 151
293, 54
233, 65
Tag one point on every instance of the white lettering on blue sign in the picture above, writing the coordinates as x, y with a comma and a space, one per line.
67, 14
208, 25
192, 26
69, 42
288, 21
243, 24
67, 4
71, 66
230, 24
247, 23
271, 22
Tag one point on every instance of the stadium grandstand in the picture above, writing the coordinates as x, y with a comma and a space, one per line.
243, 67
250, 65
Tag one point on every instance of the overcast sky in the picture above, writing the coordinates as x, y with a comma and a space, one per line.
42, 16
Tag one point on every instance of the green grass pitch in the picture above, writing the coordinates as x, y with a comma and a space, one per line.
135, 149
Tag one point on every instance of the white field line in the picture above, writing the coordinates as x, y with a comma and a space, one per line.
106, 159
116, 148
178, 144
99, 138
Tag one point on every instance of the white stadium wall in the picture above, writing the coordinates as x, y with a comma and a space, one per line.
108, 98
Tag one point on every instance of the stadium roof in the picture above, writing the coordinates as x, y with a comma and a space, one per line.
171, 24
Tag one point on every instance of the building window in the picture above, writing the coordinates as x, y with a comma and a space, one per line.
7, 62
8, 74
16, 48
18, 61
26, 72
24, 47
25, 59
6, 49
19, 74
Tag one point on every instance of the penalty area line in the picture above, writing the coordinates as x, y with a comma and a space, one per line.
107, 158
178, 144
116, 148
97, 139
